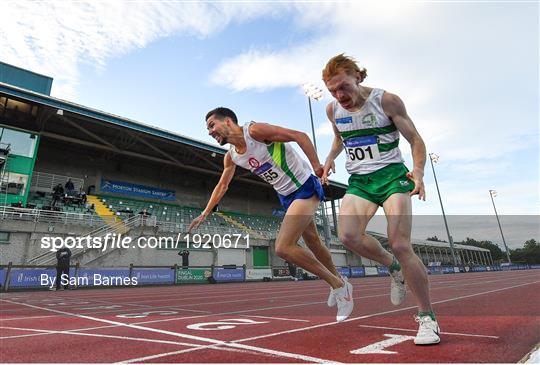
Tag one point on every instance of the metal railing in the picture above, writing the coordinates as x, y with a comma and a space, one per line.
44, 181
49, 216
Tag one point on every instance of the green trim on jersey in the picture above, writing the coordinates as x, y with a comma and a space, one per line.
368, 131
385, 147
278, 153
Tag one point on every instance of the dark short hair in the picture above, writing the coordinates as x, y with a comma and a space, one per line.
222, 113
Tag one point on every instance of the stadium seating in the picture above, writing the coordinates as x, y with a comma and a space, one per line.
170, 217
175, 218
40, 200
38, 209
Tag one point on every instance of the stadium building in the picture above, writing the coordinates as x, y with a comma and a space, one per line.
121, 168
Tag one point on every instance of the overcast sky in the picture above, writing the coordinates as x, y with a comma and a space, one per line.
467, 72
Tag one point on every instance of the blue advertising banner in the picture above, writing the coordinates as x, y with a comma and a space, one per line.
434, 270
153, 276
532, 266
2, 277
228, 275
33, 278
344, 271
448, 270
357, 272
382, 271
120, 187
478, 269
103, 277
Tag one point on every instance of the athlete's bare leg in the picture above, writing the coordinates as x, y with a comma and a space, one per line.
398, 212
321, 252
354, 215
298, 217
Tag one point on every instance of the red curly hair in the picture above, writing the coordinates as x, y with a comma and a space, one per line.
345, 63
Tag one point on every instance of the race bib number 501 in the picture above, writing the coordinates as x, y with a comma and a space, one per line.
363, 148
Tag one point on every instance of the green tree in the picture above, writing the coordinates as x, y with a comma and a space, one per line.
529, 254
435, 239
531, 244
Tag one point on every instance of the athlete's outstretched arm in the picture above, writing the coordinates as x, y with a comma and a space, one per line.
268, 133
337, 146
395, 109
221, 188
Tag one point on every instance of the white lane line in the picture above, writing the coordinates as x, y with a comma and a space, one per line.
244, 311
455, 283
352, 319
30, 317
173, 292
246, 350
27, 335
277, 318
381, 313
466, 283
191, 290
105, 336
303, 304
182, 335
413, 330
214, 347
199, 347
223, 313
112, 312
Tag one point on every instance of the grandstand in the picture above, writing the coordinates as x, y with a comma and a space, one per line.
124, 167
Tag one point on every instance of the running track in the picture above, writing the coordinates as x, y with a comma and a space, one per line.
484, 317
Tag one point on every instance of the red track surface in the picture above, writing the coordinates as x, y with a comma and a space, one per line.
484, 317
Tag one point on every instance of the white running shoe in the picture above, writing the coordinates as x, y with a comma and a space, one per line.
344, 300
331, 297
428, 331
397, 287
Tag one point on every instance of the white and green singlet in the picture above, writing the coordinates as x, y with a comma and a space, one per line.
276, 163
370, 138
